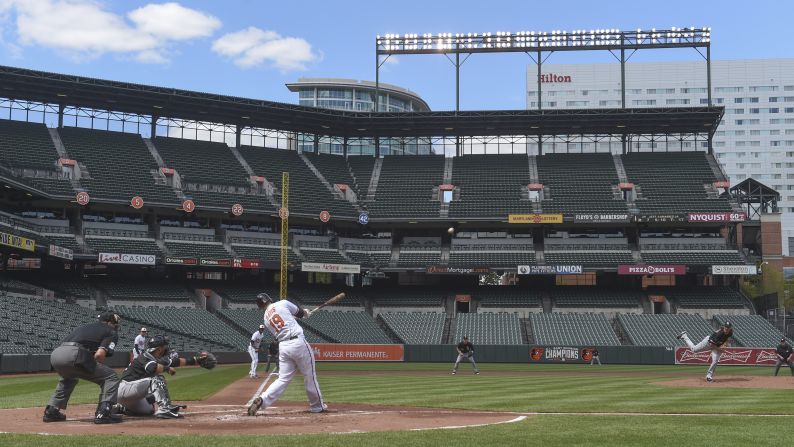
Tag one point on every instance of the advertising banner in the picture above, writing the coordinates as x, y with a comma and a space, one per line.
549, 269
216, 262
562, 354
730, 356
181, 261
534, 218
324, 352
734, 270
61, 252
23, 264
651, 270
246, 263
660, 218
716, 217
330, 268
124, 258
19, 242
601, 218
444, 270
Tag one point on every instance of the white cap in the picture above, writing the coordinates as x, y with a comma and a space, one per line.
143, 329
261, 326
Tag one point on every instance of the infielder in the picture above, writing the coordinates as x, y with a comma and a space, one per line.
253, 350
142, 383
465, 351
294, 353
713, 343
596, 358
139, 344
784, 355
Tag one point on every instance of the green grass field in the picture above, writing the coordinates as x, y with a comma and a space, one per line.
514, 387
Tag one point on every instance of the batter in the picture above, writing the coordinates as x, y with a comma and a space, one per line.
294, 354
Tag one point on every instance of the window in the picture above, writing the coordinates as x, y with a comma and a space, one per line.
447, 196
693, 90
728, 89
306, 93
773, 99
736, 111
789, 110
753, 100
363, 95
747, 122
634, 91
576, 103
738, 100
643, 102
788, 88
774, 143
755, 111
764, 88
609, 103
677, 101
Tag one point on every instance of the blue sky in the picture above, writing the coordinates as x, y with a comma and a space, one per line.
252, 48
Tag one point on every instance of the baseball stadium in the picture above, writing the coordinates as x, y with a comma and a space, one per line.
579, 276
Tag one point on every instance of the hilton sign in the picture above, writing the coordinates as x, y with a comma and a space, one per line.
551, 78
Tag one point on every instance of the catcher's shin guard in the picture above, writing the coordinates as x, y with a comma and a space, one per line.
160, 392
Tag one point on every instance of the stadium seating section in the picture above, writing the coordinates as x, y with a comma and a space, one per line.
197, 323
361, 168
407, 297
587, 251
120, 165
419, 254
506, 297
308, 195
202, 161
579, 183
489, 328
418, 328
672, 183
496, 253
662, 330
594, 297
145, 246
142, 290
405, 187
490, 185
29, 146
572, 329
347, 327
704, 297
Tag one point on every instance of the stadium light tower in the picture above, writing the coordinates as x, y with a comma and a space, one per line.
535, 43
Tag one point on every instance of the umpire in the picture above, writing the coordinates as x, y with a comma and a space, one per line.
81, 355
784, 355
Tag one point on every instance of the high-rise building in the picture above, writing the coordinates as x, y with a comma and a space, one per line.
755, 138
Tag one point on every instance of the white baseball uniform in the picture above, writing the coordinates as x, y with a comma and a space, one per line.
139, 345
294, 353
253, 351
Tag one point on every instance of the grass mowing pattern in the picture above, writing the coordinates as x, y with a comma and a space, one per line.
512, 387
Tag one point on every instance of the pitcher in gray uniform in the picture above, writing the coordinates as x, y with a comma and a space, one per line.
713, 343
81, 355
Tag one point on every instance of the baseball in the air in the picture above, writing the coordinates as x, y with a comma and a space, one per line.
451, 230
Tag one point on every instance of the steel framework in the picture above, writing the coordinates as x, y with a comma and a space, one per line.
621, 44
284, 258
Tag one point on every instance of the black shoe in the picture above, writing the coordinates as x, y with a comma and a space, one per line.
104, 414
254, 407
52, 414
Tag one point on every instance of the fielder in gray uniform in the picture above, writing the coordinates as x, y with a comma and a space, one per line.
81, 355
143, 385
713, 343
465, 351
784, 356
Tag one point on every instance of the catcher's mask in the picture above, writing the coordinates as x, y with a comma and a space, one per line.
263, 300
156, 342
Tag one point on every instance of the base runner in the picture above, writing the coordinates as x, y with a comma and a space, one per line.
253, 350
294, 354
465, 351
713, 343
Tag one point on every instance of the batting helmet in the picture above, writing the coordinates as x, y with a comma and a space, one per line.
109, 317
263, 300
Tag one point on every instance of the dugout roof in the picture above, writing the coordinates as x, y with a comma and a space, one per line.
78, 91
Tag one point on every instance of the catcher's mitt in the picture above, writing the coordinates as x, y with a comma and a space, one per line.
206, 360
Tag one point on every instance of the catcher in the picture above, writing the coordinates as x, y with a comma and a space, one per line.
142, 383
465, 352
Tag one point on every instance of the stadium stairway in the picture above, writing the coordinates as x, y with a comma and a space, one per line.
449, 331
388, 331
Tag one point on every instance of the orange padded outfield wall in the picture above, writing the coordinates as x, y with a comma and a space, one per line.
357, 353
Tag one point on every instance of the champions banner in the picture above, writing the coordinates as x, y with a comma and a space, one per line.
730, 356
534, 218
19, 242
326, 352
330, 268
561, 354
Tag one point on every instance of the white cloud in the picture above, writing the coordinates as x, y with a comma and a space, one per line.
84, 29
174, 21
253, 47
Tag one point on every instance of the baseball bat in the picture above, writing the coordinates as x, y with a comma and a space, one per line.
333, 300
261, 388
